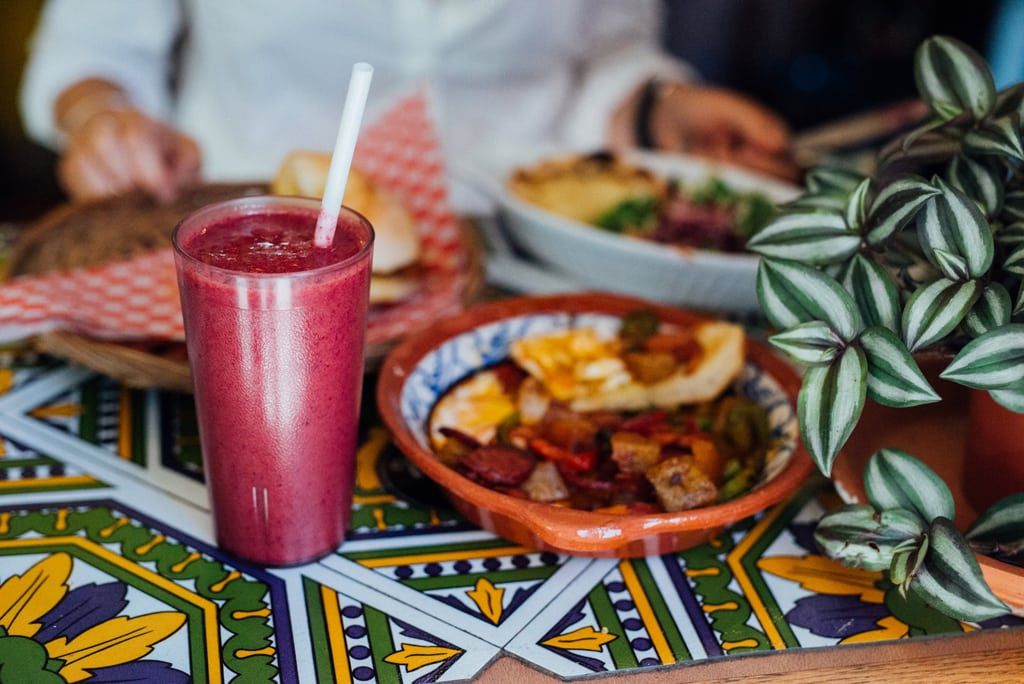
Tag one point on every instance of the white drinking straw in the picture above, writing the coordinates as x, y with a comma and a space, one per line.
344, 147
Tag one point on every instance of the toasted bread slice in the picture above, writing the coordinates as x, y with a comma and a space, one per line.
590, 375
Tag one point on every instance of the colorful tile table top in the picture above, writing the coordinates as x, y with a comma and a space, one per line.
109, 573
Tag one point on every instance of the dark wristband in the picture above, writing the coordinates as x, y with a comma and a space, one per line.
644, 110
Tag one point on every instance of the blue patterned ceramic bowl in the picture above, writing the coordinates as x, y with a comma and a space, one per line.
423, 368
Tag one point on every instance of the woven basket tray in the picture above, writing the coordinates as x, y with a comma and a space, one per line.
94, 233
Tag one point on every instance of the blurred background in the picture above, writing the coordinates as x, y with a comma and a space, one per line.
810, 60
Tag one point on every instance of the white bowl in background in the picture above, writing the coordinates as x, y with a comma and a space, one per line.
602, 260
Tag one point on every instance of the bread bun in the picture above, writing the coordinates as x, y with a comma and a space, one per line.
397, 240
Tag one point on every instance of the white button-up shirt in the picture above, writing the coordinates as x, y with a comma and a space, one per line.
261, 77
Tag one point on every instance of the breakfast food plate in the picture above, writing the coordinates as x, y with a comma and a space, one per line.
665, 227
548, 421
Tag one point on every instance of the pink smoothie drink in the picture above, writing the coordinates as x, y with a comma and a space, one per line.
275, 330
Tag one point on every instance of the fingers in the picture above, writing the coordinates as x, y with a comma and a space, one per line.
144, 145
754, 124
119, 151
185, 160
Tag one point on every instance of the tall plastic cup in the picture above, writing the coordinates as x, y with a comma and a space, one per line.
275, 340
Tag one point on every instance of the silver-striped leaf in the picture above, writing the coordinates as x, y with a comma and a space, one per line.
896, 205
833, 202
1013, 205
1010, 398
874, 292
894, 378
1014, 261
895, 479
905, 562
952, 266
953, 79
812, 237
992, 361
1012, 234
991, 311
936, 309
981, 180
856, 209
953, 223
830, 403
832, 179
1009, 99
1000, 137
1018, 304
932, 147
791, 293
950, 580
859, 537
1003, 523
811, 344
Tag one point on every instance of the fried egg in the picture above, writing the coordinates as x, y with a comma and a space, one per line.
475, 407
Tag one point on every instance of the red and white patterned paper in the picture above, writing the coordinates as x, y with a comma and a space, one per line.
138, 299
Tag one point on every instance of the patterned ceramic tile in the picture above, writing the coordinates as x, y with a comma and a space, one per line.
101, 590
414, 595
360, 634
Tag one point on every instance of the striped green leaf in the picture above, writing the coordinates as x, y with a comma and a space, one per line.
856, 209
874, 292
832, 179
953, 79
1002, 524
1008, 100
808, 237
896, 205
1012, 234
894, 378
1018, 304
952, 266
936, 309
791, 293
1010, 398
1014, 262
905, 562
999, 137
833, 202
991, 311
859, 537
895, 479
992, 361
830, 403
1013, 206
950, 580
933, 147
981, 180
811, 344
952, 222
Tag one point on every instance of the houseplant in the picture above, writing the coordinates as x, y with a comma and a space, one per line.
860, 273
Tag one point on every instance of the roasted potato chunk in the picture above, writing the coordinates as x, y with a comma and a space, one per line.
634, 453
680, 485
545, 484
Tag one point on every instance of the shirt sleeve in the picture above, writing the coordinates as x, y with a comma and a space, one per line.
619, 50
127, 42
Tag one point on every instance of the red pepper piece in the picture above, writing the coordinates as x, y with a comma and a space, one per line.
575, 460
645, 423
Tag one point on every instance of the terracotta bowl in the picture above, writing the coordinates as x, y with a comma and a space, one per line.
423, 367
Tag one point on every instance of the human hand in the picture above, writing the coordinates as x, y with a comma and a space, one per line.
117, 149
714, 123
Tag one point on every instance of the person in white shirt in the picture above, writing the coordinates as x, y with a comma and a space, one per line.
258, 78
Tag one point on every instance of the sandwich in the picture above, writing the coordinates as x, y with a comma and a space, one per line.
397, 247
